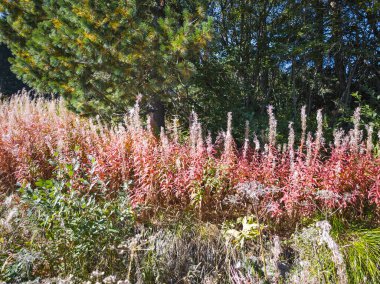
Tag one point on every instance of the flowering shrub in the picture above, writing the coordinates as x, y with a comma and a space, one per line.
278, 181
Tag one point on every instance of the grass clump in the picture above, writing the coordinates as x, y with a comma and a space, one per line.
362, 255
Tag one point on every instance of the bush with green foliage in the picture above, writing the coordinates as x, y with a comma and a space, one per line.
68, 231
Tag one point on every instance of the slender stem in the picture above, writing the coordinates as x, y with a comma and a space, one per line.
261, 244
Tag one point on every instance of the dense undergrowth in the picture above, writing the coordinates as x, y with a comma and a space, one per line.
119, 203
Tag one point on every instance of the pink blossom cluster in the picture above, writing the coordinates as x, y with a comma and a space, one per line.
277, 180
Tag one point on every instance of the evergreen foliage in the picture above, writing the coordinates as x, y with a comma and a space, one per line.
101, 54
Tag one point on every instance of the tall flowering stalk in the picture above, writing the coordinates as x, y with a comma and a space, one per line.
298, 180
291, 146
303, 125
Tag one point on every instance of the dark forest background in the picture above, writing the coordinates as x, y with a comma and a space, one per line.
228, 55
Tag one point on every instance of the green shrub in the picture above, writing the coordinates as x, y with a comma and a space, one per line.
82, 231
62, 230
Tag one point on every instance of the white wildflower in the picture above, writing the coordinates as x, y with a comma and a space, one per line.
337, 258
109, 279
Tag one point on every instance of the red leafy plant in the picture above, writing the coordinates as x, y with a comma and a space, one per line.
291, 181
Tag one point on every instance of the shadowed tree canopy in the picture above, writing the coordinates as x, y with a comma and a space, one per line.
9, 84
289, 53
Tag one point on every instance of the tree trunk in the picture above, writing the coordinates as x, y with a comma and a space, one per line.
318, 50
157, 110
337, 34
319, 33
157, 115
294, 90
346, 97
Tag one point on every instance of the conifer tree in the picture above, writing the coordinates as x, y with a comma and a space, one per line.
100, 54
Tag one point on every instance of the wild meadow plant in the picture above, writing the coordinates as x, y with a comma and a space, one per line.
297, 180
77, 187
